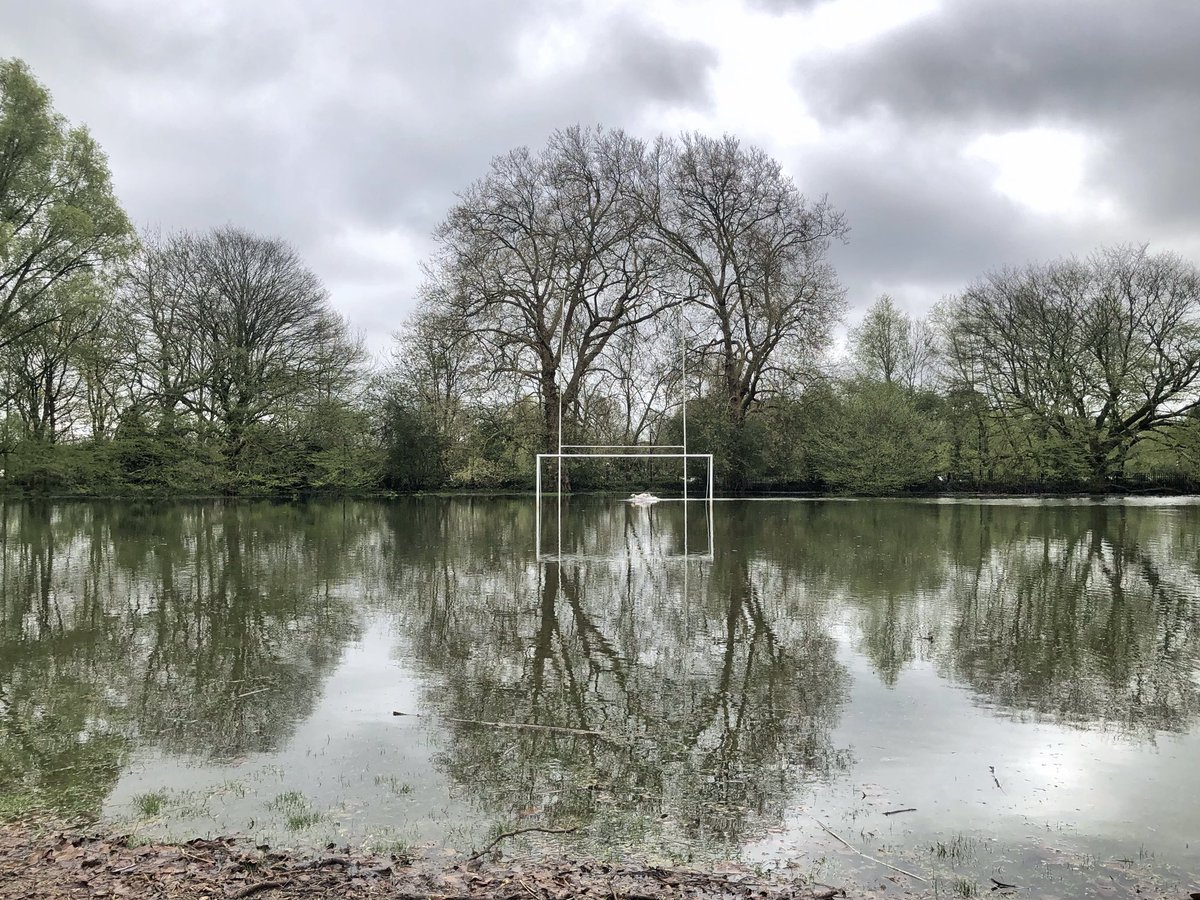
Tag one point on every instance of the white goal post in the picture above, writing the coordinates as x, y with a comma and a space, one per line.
632, 451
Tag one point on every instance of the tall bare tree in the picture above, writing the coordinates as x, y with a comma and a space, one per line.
547, 259
750, 254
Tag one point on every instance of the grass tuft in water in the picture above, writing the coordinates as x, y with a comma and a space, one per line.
302, 820
396, 785
150, 804
965, 887
958, 848
288, 801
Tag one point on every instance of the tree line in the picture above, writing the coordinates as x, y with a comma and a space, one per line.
580, 292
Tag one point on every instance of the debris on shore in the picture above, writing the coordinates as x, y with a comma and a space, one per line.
56, 862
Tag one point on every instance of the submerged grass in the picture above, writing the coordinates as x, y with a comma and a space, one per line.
394, 784
288, 801
957, 849
150, 804
302, 820
297, 814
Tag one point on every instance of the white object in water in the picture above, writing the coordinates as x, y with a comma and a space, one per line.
643, 499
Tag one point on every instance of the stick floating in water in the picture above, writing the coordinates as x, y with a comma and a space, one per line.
525, 725
878, 862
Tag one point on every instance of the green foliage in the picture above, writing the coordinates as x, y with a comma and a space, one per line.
740, 449
59, 217
41, 467
413, 454
878, 441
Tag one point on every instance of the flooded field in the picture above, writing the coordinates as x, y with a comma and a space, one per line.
962, 690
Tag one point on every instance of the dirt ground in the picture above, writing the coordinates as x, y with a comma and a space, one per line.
56, 861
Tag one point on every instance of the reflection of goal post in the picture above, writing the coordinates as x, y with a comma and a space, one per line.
653, 451
629, 451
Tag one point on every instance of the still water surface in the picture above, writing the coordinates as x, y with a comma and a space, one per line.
1024, 675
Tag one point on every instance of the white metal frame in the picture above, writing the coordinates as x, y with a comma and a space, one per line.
628, 451
706, 499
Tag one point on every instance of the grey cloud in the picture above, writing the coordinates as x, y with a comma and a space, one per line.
645, 62
308, 119
990, 61
921, 216
437, 141
779, 7
1124, 74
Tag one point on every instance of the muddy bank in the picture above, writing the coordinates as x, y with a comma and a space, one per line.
53, 861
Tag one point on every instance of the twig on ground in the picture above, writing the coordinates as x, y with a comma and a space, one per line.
252, 889
896, 812
321, 863
878, 862
516, 831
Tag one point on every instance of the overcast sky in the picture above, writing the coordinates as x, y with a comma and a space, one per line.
958, 136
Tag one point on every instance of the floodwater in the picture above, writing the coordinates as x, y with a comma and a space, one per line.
1024, 676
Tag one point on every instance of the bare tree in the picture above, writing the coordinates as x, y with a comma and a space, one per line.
750, 255
166, 357
638, 380
547, 258
1101, 351
436, 356
43, 370
234, 331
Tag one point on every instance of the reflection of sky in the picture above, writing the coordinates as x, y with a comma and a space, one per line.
349, 759
928, 744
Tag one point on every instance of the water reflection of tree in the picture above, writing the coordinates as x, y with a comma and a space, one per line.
1091, 615
243, 625
719, 709
201, 628
874, 559
1086, 613
54, 746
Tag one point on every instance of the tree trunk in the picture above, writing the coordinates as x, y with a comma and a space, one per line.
1107, 459
550, 409
736, 464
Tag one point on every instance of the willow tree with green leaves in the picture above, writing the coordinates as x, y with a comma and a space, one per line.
59, 218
